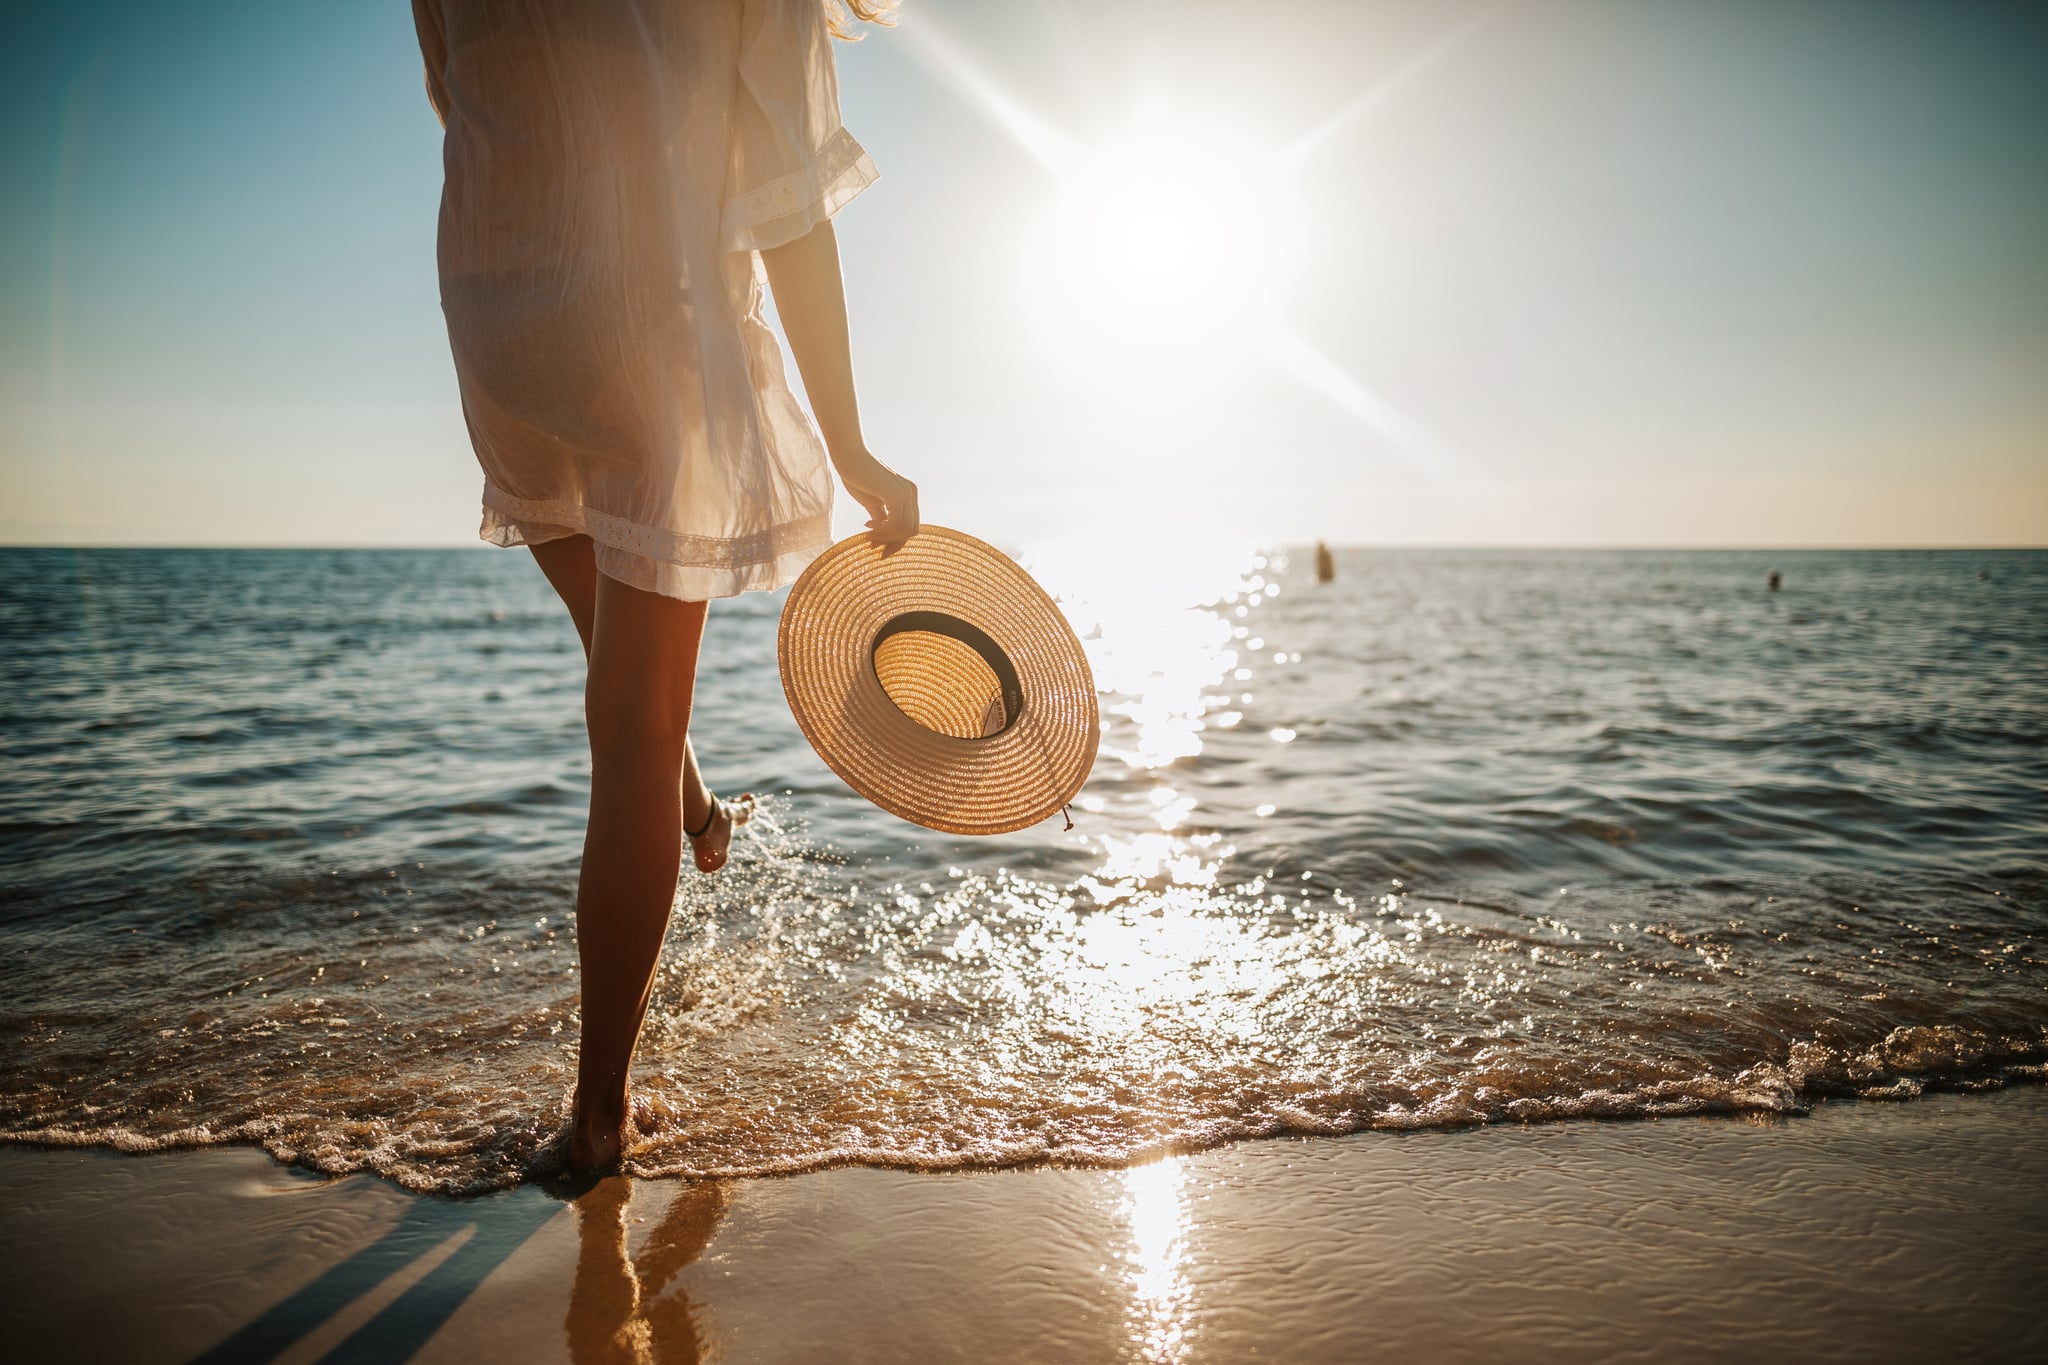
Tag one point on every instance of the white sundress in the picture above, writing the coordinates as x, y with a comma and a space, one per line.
612, 167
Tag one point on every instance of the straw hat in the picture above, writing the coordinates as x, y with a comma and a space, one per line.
940, 681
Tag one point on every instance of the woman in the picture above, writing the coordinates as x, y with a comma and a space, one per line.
614, 168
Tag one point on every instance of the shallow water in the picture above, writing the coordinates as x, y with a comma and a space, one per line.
288, 846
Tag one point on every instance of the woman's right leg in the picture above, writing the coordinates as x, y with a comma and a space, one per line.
643, 665
571, 567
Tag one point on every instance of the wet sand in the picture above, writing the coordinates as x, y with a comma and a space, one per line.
1867, 1231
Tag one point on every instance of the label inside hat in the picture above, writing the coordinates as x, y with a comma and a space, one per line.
947, 675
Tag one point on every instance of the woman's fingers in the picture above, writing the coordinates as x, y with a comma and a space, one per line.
901, 520
891, 528
892, 515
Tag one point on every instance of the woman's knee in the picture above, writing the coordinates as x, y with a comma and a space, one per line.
628, 716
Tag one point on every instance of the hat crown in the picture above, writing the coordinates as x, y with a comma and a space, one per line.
946, 675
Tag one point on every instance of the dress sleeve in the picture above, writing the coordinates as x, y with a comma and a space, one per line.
792, 164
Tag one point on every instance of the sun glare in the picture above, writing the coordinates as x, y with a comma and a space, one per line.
1165, 253
1149, 241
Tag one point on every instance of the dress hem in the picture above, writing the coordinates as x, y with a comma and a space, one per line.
691, 568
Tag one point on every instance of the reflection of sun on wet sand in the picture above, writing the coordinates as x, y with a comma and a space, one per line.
618, 1310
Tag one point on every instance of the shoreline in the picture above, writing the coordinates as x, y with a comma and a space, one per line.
1864, 1229
1766, 1093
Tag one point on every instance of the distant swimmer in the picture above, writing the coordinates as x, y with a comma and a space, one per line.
1326, 565
1983, 575
1775, 580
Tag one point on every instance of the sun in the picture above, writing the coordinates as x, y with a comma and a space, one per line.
1168, 236
1161, 263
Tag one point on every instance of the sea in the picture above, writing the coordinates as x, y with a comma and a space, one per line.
289, 840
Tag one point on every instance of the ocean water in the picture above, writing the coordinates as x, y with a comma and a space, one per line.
288, 844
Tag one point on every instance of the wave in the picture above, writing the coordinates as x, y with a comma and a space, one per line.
481, 1157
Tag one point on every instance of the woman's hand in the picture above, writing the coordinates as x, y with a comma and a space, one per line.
891, 499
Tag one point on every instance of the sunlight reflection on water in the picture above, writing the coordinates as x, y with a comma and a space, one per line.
1157, 622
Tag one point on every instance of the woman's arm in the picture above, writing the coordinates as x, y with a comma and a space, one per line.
811, 300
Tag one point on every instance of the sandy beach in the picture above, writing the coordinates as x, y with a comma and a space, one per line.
1866, 1231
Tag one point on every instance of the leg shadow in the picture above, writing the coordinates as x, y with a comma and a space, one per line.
495, 1228
617, 1311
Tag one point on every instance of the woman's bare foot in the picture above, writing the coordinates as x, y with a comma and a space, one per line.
712, 843
597, 1135
597, 1141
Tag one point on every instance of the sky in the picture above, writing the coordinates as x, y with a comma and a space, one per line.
1466, 272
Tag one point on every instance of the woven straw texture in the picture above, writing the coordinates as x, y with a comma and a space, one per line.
949, 773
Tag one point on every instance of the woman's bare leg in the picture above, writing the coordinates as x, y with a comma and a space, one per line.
643, 666
642, 652
571, 567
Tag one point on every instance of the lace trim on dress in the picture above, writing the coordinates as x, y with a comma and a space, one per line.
789, 206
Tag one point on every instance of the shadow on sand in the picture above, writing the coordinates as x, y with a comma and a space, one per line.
415, 1277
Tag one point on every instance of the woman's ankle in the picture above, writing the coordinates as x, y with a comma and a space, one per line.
599, 1107
700, 812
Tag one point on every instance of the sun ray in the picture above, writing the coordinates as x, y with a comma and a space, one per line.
1377, 94
1401, 434
944, 59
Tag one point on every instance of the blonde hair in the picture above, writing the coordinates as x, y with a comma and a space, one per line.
843, 17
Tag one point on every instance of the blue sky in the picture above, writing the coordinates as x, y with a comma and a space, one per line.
1564, 273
